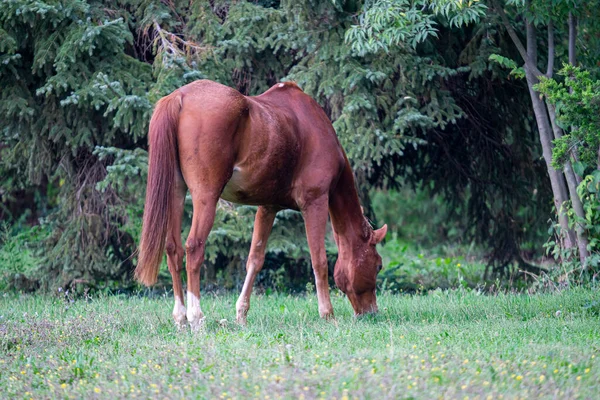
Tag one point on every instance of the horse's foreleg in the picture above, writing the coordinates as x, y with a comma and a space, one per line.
315, 219
263, 224
174, 251
204, 216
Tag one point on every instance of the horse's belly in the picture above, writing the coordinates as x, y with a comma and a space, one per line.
242, 189
234, 192
239, 190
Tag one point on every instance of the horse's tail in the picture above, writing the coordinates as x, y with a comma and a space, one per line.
162, 166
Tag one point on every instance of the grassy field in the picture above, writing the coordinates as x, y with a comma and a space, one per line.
455, 344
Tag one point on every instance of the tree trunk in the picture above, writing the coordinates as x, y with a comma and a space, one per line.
572, 179
573, 61
582, 239
557, 181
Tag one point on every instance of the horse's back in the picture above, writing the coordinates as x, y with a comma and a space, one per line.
270, 149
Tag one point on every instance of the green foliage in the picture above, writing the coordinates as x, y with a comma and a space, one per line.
408, 86
69, 85
385, 24
19, 258
577, 101
516, 71
418, 216
409, 270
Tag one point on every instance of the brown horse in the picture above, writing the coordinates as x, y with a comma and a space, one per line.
277, 150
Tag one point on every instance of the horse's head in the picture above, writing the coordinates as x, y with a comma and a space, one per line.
356, 273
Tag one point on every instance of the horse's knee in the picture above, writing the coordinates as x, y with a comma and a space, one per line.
321, 267
171, 249
255, 262
195, 254
174, 256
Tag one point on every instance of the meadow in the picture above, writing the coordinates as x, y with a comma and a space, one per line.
443, 344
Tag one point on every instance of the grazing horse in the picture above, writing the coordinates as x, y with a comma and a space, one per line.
277, 151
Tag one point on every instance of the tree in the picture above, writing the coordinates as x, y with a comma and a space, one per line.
561, 17
467, 157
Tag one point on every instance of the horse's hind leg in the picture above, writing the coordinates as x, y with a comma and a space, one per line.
204, 216
175, 251
263, 224
206, 158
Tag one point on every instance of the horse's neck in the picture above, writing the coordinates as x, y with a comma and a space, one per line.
344, 207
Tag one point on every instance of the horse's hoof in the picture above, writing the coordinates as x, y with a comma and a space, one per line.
241, 316
180, 320
180, 325
327, 315
197, 325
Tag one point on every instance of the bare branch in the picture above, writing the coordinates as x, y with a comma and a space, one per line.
551, 49
517, 42
532, 53
171, 43
572, 38
510, 30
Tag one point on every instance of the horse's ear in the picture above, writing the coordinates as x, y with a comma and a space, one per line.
379, 234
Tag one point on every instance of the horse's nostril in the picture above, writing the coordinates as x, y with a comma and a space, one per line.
379, 267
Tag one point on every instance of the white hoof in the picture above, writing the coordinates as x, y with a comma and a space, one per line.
241, 319
179, 314
241, 308
195, 316
197, 325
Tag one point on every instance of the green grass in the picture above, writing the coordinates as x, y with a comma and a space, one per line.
444, 344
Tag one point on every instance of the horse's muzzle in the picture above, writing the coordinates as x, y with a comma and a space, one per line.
365, 303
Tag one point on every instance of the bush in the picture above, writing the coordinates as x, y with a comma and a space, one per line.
416, 216
407, 269
19, 258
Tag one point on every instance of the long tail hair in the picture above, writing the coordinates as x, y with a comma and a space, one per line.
162, 165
